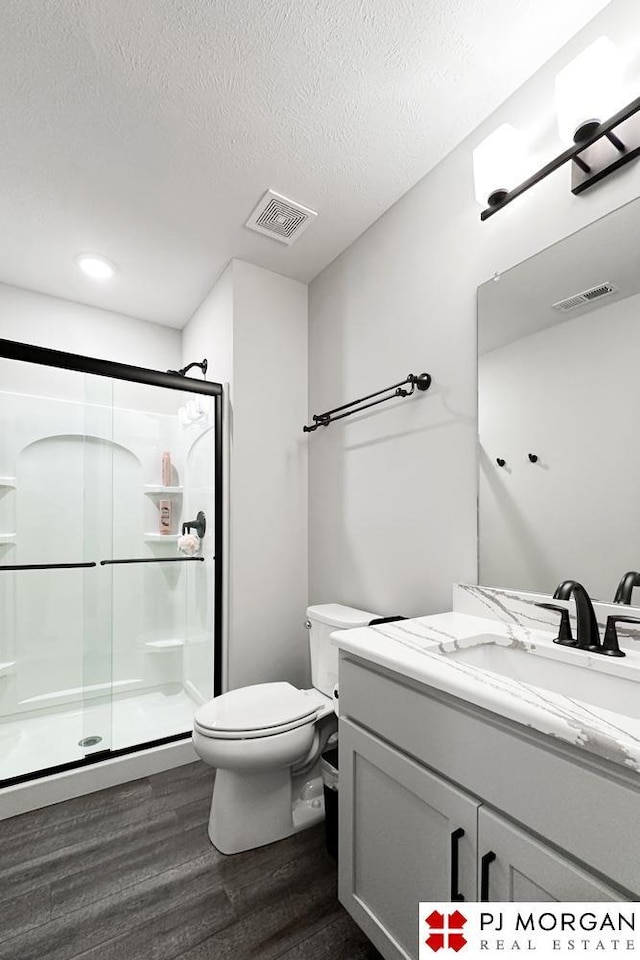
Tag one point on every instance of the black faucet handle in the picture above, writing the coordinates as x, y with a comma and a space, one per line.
610, 645
565, 637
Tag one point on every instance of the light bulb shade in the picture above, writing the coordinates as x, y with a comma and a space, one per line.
589, 88
499, 164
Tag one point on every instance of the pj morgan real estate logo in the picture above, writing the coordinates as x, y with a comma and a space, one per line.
545, 930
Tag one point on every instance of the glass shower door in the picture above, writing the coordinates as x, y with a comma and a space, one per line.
108, 618
52, 618
162, 593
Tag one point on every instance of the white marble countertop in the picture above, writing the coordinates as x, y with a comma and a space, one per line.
427, 650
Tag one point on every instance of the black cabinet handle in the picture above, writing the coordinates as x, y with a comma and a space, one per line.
485, 863
456, 836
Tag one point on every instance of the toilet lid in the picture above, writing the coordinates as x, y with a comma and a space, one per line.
264, 706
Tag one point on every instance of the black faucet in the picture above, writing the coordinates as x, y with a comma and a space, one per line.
625, 587
588, 633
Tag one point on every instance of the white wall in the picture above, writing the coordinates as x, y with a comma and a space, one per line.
44, 321
253, 329
393, 492
572, 514
269, 508
209, 332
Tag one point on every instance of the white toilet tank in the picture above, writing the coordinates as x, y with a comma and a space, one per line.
322, 621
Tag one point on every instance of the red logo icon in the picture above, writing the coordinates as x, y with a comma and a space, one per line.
445, 932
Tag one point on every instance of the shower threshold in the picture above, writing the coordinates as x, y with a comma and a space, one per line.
77, 693
44, 740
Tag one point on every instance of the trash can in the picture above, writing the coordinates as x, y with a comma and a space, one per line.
329, 767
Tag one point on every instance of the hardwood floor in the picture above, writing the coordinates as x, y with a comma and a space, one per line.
129, 874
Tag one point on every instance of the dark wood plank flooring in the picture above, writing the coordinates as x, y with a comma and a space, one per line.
129, 874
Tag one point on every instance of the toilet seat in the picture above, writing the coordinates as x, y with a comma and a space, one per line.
261, 710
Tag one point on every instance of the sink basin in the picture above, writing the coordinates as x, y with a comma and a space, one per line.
589, 685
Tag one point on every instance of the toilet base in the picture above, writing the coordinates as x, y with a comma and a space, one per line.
250, 810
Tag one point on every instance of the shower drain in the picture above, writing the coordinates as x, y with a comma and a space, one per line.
89, 741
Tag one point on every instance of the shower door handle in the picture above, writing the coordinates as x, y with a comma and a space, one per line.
46, 566
115, 563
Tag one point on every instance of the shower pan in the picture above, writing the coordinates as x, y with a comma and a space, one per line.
110, 634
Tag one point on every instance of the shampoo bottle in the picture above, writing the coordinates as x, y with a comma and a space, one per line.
166, 469
165, 516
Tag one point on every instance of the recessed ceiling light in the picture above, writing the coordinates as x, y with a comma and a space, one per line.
98, 268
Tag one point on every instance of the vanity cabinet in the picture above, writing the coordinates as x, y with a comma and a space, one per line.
429, 788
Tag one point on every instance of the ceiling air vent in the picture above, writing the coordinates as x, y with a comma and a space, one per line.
587, 296
279, 218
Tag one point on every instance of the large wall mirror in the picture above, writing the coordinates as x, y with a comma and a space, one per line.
559, 413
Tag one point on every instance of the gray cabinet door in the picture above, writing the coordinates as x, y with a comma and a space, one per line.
524, 869
396, 825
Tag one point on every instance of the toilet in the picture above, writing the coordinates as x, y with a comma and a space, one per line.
265, 742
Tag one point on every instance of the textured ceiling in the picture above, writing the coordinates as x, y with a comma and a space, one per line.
148, 130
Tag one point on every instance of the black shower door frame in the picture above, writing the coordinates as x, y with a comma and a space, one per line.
27, 353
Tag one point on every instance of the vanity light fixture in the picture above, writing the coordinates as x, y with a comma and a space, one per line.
603, 134
96, 267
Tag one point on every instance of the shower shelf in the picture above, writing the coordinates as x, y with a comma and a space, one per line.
157, 490
161, 537
160, 646
8, 537
8, 482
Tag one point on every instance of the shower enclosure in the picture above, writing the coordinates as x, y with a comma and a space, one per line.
110, 635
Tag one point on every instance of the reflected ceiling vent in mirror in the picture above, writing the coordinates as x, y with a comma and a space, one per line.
279, 218
587, 296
